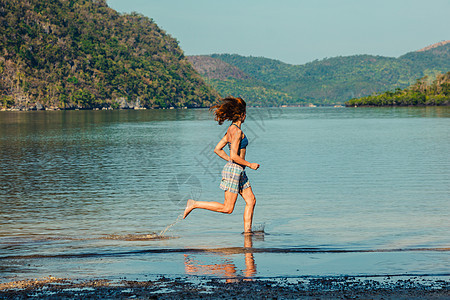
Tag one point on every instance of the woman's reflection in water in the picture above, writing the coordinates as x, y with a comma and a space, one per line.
250, 266
227, 268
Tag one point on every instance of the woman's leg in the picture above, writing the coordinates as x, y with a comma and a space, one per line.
227, 207
250, 202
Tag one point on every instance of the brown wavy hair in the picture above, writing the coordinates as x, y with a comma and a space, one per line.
231, 109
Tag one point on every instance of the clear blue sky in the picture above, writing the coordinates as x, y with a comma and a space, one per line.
298, 31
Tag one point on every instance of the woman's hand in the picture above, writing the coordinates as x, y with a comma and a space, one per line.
253, 166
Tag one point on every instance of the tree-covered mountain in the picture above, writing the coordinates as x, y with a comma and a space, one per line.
338, 79
81, 53
422, 93
230, 80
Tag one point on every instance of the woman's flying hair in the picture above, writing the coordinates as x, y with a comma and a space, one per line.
231, 109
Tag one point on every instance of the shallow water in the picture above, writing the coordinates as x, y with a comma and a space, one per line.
340, 191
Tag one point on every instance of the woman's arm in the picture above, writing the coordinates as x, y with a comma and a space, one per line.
236, 136
219, 148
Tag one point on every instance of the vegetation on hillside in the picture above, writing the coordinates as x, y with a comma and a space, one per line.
421, 93
254, 92
338, 79
229, 80
212, 68
81, 53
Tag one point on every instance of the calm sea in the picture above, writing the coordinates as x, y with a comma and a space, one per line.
340, 191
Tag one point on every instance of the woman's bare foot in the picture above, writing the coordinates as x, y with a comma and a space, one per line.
189, 207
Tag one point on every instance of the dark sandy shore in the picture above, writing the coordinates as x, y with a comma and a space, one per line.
241, 288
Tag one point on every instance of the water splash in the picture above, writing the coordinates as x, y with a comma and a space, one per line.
134, 237
259, 228
144, 237
161, 234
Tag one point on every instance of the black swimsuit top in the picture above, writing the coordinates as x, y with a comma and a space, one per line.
244, 142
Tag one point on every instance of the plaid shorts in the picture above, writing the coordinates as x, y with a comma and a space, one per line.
234, 178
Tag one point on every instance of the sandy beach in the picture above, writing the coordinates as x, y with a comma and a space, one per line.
237, 288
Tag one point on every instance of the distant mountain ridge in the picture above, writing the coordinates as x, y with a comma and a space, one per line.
227, 79
435, 45
331, 80
216, 68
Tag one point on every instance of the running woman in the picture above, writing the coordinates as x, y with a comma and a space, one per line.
234, 180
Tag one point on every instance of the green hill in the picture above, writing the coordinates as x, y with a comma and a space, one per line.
422, 93
338, 79
230, 80
81, 53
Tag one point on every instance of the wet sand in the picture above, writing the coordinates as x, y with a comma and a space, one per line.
237, 288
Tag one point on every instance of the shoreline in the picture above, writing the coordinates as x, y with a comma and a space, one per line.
15, 109
386, 287
394, 106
